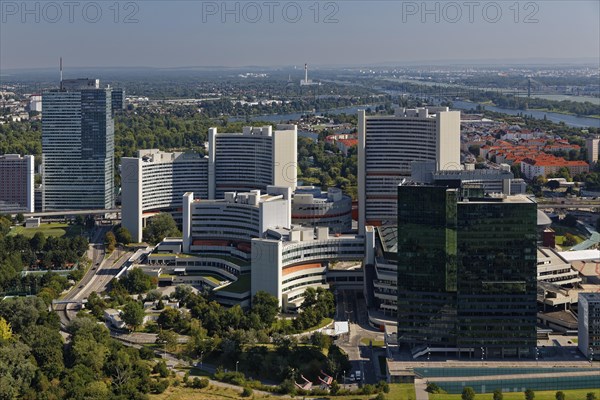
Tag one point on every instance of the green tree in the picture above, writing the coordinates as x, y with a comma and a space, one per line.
5, 330
161, 369
590, 396
560, 395
137, 282
498, 395
133, 314
123, 235
266, 306
168, 339
529, 394
159, 227
468, 393
111, 241
553, 184
16, 370
38, 241
20, 218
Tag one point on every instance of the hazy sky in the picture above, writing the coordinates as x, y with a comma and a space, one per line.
206, 33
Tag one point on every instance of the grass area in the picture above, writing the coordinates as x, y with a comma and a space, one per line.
240, 286
51, 229
397, 392
324, 322
575, 394
210, 393
367, 342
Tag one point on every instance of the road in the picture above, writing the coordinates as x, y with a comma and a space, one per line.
98, 276
351, 308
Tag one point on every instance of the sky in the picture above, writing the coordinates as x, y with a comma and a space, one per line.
148, 33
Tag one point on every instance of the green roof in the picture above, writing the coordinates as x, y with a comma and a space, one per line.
240, 286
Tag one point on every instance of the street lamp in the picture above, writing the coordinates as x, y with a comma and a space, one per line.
591, 355
482, 354
537, 354
236, 366
344, 380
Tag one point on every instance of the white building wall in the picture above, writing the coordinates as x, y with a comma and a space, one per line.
266, 267
285, 156
131, 196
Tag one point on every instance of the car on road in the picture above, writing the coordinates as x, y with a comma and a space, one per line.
351, 378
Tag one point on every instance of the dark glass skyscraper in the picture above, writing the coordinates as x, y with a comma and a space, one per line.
78, 147
466, 270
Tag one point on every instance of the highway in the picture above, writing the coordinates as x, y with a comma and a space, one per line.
98, 276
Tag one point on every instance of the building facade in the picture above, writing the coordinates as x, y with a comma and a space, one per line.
78, 147
17, 184
593, 149
589, 325
387, 145
252, 159
156, 181
466, 270
314, 208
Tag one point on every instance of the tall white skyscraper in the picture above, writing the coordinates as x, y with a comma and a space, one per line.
78, 147
387, 145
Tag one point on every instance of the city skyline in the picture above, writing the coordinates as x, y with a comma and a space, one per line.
192, 33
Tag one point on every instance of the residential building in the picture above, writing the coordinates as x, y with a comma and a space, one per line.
387, 145
17, 184
589, 325
544, 165
155, 181
78, 147
466, 270
593, 149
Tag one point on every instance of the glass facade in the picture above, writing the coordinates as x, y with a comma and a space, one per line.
466, 270
78, 150
427, 265
497, 280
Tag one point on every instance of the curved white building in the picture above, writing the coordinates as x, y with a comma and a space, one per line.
218, 226
252, 159
288, 261
312, 207
387, 145
155, 181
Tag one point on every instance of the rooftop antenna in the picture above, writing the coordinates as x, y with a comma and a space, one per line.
61, 74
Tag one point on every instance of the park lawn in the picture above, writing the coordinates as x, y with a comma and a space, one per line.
404, 391
575, 394
51, 229
367, 342
212, 392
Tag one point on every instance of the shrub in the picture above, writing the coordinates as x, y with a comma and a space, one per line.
247, 392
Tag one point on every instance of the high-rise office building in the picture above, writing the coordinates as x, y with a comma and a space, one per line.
252, 159
588, 317
78, 147
466, 270
155, 181
387, 145
16, 183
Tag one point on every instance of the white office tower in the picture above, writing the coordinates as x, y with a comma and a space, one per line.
387, 145
155, 181
252, 159
78, 147
593, 149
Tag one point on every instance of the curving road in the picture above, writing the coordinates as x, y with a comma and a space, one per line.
98, 276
